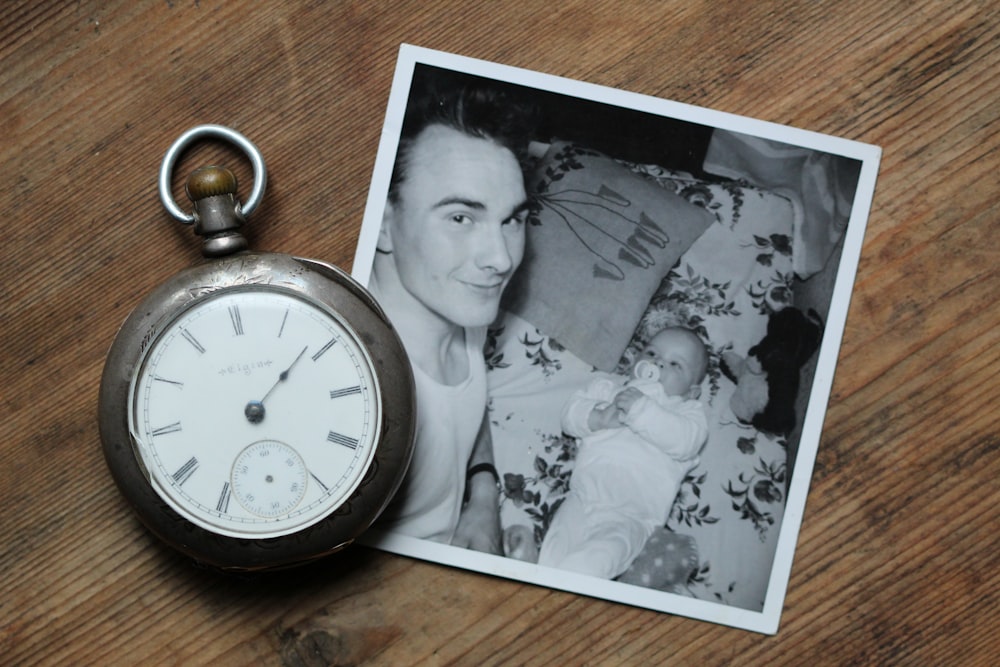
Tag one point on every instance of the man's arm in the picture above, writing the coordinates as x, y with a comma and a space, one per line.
479, 523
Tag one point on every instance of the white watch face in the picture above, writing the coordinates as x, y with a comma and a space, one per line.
256, 413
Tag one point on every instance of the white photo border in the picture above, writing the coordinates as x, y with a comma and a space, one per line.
766, 620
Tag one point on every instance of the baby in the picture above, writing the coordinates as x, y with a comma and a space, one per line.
639, 436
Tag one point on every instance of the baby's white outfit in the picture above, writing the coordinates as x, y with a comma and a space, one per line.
625, 479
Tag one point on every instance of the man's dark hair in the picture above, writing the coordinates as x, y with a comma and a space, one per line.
475, 109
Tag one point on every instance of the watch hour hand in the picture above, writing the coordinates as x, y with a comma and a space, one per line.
255, 409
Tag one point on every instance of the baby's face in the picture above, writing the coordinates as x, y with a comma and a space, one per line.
680, 357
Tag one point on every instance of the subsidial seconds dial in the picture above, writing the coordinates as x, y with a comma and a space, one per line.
269, 478
255, 413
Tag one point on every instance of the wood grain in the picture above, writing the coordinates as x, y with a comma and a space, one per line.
899, 555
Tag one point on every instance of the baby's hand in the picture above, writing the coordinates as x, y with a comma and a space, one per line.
604, 416
626, 399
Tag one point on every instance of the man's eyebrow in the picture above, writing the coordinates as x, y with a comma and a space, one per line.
479, 206
461, 201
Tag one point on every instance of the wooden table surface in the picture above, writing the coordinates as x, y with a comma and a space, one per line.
898, 559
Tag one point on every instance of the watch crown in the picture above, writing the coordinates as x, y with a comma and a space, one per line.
210, 181
216, 213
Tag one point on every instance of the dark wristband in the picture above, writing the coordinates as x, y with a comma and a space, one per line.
483, 467
475, 470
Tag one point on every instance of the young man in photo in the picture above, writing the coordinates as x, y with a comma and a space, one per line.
452, 236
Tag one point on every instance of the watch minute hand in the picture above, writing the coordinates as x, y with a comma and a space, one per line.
284, 374
254, 410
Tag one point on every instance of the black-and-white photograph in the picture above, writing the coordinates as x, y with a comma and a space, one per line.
623, 316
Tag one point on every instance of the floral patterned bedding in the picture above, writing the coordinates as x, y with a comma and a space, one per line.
725, 286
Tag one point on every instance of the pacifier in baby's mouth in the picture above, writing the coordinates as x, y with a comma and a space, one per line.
646, 370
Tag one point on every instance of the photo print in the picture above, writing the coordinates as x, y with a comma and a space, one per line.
624, 315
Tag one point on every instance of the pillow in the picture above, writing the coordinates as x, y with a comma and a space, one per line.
599, 241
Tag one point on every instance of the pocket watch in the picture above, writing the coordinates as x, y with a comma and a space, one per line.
256, 410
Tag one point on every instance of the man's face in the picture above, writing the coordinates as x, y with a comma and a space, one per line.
456, 232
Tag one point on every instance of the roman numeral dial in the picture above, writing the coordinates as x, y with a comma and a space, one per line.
256, 412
